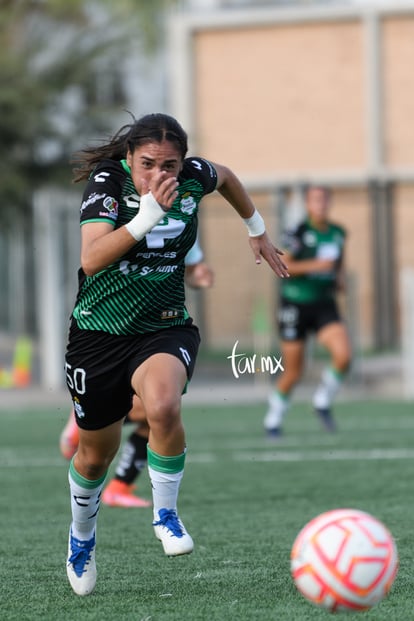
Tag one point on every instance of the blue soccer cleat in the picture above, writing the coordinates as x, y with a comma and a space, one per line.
170, 530
80, 567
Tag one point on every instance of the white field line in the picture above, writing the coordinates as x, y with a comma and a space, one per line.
326, 455
13, 460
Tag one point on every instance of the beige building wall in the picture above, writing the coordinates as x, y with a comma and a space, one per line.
287, 101
398, 89
290, 98
241, 288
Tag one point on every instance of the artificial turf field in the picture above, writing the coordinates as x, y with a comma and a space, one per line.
243, 499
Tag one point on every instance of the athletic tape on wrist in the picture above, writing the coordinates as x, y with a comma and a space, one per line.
255, 224
150, 213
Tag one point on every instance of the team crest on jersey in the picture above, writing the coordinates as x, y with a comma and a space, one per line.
78, 408
188, 204
111, 205
309, 239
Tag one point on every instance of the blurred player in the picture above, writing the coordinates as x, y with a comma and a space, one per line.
133, 459
315, 258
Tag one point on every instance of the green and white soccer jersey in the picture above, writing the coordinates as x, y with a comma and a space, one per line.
307, 242
143, 291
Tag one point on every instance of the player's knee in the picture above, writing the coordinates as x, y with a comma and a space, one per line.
164, 412
93, 464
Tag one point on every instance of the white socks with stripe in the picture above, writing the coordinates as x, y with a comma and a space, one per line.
85, 498
278, 406
326, 391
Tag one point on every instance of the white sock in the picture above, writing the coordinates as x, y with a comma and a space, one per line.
85, 497
165, 487
278, 406
326, 391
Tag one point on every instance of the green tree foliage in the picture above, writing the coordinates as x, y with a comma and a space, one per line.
60, 80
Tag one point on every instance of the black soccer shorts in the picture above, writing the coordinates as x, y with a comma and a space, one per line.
99, 368
296, 321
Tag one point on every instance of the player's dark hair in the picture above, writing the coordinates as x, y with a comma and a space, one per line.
149, 128
318, 186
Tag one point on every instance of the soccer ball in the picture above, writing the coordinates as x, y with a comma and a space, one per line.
344, 560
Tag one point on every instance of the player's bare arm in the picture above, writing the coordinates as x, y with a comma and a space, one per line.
308, 266
234, 192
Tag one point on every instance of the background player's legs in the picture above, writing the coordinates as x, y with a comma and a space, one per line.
334, 337
69, 438
132, 461
292, 360
133, 457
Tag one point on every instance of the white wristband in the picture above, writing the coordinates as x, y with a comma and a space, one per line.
255, 224
150, 213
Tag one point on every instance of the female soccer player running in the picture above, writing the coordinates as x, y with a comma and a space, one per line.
130, 330
119, 492
314, 256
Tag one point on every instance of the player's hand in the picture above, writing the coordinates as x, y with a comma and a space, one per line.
199, 276
263, 247
163, 188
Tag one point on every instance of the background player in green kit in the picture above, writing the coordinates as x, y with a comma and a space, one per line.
314, 256
130, 331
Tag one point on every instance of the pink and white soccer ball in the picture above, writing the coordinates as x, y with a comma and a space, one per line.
344, 560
